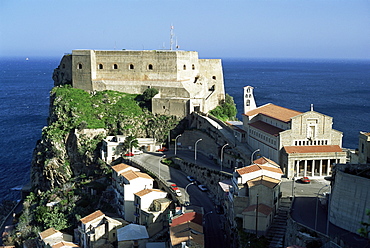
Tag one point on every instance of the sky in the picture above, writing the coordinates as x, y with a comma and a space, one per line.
318, 29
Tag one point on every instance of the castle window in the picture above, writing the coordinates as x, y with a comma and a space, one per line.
79, 66
131, 67
115, 66
150, 67
100, 66
64, 66
193, 66
214, 77
247, 103
184, 67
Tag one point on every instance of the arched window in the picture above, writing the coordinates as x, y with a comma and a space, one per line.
214, 77
184, 67
100, 66
79, 66
115, 66
193, 66
63, 66
150, 67
131, 66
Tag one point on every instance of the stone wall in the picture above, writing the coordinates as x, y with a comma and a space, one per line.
350, 199
302, 236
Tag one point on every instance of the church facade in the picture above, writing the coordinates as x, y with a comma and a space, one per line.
303, 144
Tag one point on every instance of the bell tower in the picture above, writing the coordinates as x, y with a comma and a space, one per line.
249, 102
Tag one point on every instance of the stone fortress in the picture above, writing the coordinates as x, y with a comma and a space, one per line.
185, 82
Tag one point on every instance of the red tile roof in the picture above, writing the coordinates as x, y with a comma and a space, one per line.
264, 160
312, 149
191, 216
267, 128
274, 111
92, 217
262, 208
120, 167
49, 232
248, 169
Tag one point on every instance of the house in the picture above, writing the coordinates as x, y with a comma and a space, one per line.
97, 229
132, 235
54, 238
187, 229
303, 144
253, 195
128, 180
152, 206
364, 148
112, 146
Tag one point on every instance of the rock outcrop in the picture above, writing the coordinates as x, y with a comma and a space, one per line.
69, 148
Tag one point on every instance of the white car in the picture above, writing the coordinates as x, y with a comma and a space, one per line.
137, 152
178, 192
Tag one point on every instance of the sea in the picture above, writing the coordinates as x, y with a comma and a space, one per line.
338, 88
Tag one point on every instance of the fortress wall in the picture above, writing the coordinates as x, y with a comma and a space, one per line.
211, 70
349, 200
145, 65
83, 69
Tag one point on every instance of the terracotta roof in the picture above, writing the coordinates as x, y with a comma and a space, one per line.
131, 175
248, 169
147, 191
263, 180
312, 149
274, 111
92, 217
264, 160
270, 168
191, 216
267, 128
262, 208
48, 233
256, 167
64, 244
184, 231
121, 167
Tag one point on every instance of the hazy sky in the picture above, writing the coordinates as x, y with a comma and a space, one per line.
214, 28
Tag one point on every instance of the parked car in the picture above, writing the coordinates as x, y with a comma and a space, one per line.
176, 189
130, 154
202, 187
137, 152
305, 180
190, 178
163, 149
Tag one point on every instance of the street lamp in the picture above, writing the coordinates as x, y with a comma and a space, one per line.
222, 153
195, 154
317, 203
178, 136
159, 167
253, 154
186, 187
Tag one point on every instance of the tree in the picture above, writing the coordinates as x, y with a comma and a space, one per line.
365, 230
149, 93
226, 110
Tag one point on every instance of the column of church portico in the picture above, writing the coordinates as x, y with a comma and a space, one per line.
313, 168
328, 168
320, 167
305, 168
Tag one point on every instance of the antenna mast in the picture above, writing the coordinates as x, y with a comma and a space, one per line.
171, 37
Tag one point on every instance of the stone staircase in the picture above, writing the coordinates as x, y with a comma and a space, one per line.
276, 232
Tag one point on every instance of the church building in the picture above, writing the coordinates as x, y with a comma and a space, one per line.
303, 144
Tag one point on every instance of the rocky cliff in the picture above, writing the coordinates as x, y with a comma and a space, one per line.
78, 121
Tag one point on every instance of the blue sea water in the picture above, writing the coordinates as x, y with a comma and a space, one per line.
340, 89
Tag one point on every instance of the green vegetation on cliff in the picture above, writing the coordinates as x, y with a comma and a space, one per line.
226, 110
